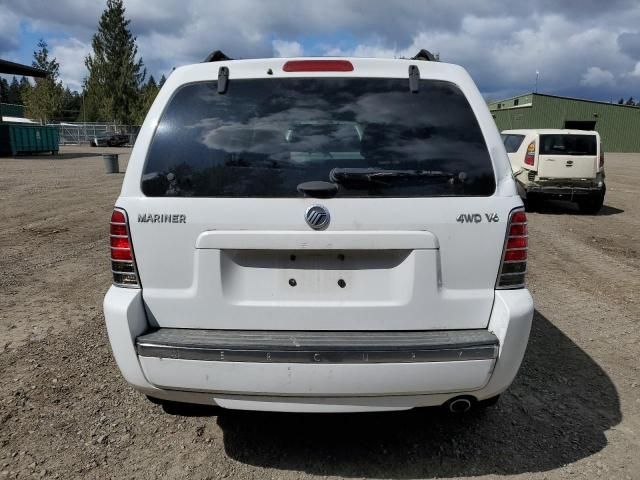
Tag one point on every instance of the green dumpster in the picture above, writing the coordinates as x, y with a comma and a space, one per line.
16, 139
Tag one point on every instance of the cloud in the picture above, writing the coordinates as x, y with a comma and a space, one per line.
629, 43
9, 30
597, 77
504, 61
282, 48
70, 54
636, 71
501, 43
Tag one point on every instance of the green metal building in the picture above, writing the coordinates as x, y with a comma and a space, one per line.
618, 125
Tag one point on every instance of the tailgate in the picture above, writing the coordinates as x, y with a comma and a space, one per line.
568, 156
385, 264
567, 166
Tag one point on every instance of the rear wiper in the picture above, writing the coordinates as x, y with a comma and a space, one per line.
380, 175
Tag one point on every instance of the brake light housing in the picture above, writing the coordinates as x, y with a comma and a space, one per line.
318, 66
513, 267
123, 265
601, 159
530, 157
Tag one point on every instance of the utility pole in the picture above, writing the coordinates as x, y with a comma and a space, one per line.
84, 116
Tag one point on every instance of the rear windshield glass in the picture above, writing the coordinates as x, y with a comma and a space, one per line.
370, 137
567, 145
512, 142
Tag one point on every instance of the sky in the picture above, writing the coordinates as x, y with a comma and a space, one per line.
581, 48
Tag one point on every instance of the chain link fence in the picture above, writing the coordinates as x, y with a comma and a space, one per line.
76, 133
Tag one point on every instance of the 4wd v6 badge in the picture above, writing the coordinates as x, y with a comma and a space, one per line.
477, 218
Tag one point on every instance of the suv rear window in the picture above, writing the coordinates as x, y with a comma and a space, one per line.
264, 137
568, 144
512, 142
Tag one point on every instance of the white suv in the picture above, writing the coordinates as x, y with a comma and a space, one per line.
319, 235
558, 164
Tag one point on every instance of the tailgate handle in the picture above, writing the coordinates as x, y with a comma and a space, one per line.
301, 240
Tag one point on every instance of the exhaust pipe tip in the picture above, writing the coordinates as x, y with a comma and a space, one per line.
460, 405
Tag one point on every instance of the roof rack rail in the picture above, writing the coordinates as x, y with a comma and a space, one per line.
216, 56
425, 55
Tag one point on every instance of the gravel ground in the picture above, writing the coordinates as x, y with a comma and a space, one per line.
65, 412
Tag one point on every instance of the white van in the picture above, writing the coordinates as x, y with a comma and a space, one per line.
319, 235
560, 164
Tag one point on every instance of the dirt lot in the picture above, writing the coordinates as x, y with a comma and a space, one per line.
65, 412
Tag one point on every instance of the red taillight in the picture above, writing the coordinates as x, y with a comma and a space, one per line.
514, 258
530, 157
318, 66
117, 254
118, 229
515, 255
120, 242
518, 217
517, 242
123, 265
118, 217
518, 230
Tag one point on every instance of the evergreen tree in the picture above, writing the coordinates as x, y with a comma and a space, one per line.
621, 101
14, 92
115, 75
24, 88
44, 100
147, 96
162, 80
71, 110
630, 102
4, 91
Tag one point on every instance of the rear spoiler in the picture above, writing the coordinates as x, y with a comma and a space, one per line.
223, 72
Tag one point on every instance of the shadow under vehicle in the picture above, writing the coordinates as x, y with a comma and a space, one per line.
556, 412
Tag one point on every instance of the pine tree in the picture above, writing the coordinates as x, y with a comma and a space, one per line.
162, 80
44, 100
14, 92
24, 87
115, 75
4, 91
630, 102
71, 109
147, 96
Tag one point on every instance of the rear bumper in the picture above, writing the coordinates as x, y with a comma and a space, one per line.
558, 191
313, 372
565, 189
311, 347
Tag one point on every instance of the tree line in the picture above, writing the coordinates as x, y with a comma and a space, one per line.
631, 102
116, 88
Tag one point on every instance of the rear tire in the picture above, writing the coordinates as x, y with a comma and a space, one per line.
592, 204
531, 203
